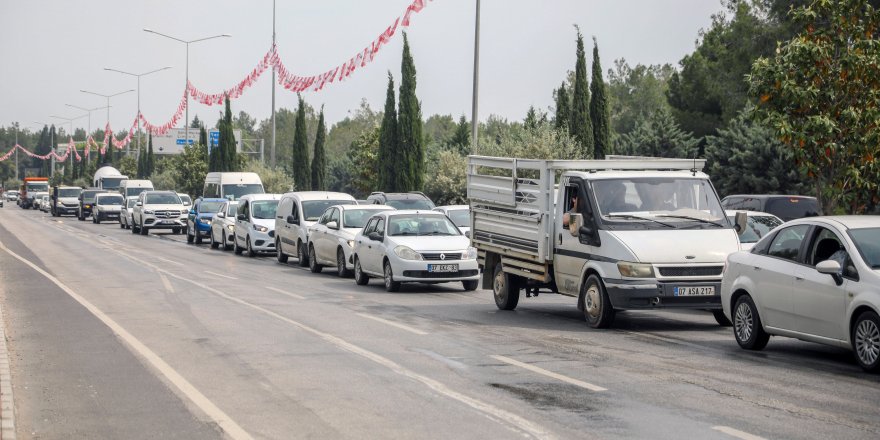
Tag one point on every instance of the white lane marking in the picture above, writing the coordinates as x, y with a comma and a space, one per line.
393, 324
292, 295
169, 261
499, 415
166, 283
547, 373
220, 275
736, 433
216, 414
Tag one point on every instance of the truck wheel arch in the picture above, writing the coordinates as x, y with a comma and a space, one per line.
587, 272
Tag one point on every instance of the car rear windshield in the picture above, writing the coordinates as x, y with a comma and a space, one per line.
89, 196
421, 225
410, 204
867, 241
162, 199
129, 192
461, 217
210, 207
790, 208
357, 218
236, 190
69, 192
312, 209
110, 200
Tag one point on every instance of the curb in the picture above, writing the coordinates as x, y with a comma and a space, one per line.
7, 407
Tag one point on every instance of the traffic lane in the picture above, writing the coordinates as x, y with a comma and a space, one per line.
549, 320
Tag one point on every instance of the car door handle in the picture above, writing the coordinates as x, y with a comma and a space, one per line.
799, 278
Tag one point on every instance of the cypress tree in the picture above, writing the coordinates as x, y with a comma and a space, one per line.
580, 127
563, 108
409, 125
203, 136
227, 141
301, 170
151, 159
388, 148
462, 137
319, 161
599, 115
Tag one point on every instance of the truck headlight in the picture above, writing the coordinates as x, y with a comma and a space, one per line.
635, 270
471, 253
261, 228
405, 253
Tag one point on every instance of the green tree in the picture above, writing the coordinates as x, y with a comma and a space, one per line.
658, 136
363, 157
409, 127
203, 136
300, 165
599, 116
388, 161
343, 133
635, 93
447, 185
461, 140
820, 94
196, 122
580, 126
151, 159
319, 160
563, 109
275, 180
227, 140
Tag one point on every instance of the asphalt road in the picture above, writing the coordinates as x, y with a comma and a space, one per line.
115, 335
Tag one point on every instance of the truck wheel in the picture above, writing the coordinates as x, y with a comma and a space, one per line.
302, 252
721, 319
597, 307
279, 254
505, 288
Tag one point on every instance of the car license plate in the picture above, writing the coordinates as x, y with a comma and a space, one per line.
694, 291
167, 222
442, 268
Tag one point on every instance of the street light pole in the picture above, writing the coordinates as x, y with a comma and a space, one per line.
88, 133
272, 155
108, 107
138, 76
474, 122
15, 124
70, 121
187, 43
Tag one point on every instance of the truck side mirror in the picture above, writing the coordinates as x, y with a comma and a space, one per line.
741, 221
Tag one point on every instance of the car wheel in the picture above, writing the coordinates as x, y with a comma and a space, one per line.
121, 226
235, 247
214, 244
94, 219
198, 235
597, 306
225, 243
279, 253
747, 328
250, 249
360, 278
721, 319
505, 289
340, 264
189, 237
144, 230
302, 253
134, 228
470, 285
314, 267
866, 341
390, 284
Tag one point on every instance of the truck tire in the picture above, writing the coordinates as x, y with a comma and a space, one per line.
505, 289
597, 306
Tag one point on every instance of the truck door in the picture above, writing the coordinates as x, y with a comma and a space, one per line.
570, 254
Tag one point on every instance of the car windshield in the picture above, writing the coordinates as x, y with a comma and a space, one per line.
162, 199
461, 217
410, 204
312, 209
357, 218
135, 191
231, 209
210, 207
659, 202
867, 241
89, 196
236, 190
185, 199
131, 203
790, 208
264, 209
421, 225
757, 226
110, 200
69, 192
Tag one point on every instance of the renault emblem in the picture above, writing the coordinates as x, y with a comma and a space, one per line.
442, 256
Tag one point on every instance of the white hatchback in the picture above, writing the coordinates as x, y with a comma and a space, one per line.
414, 246
331, 239
815, 279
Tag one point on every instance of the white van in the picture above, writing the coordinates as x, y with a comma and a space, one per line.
232, 186
254, 229
296, 212
134, 188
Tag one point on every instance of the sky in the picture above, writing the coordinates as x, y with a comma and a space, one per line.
52, 49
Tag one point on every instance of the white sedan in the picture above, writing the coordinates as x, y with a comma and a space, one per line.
331, 239
815, 279
414, 246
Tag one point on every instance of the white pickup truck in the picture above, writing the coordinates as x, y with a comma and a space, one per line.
618, 234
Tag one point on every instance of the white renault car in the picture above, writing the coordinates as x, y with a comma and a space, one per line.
254, 229
223, 226
414, 246
331, 239
815, 279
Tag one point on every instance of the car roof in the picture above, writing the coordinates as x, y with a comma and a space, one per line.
254, 197
846, 221
400, 195
107, 194
213, 199
320, 195
452, 207
637, 174
363, 207
413, 211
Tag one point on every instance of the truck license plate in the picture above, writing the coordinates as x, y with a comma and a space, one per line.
694, 291
442, 268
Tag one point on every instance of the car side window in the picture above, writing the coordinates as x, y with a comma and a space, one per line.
380, 227
242, 209
371, 226
294, 211
787, 243
827, 245
334, 216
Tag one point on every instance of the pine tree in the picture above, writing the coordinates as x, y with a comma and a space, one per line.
227, 141
151, 159
658, 136
409, 125
462, 137
319, 161
388, 147
301, 170
203, 136
531, 120
599, 113
563, 109
581, 128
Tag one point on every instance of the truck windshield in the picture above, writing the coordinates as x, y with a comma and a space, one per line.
111, 182
672, 200
237, 190
37, 187
69, 192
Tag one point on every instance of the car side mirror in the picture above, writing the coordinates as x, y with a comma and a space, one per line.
221, 215
741, 221
139, 204
292, 220
192, 212
374, 236
333, 225
833, 268
241, 217
186, 203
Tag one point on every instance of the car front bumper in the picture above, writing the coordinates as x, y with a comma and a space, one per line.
418, 270
164, 223
262, 241
651, 294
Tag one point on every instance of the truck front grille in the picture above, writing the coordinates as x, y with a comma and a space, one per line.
686, 271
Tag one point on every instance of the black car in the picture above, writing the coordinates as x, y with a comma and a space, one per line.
87, 202
407, 200
785, 207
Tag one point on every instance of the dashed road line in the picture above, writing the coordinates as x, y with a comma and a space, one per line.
393, 324
220, 275
737, 433
548, 373
166, 283
292, 295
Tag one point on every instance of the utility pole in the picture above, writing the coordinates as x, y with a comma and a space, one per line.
138, 76
272, 150
15, 124
475, 120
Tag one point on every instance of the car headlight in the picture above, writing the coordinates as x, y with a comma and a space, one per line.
231, 227
635, 270
405, 253
148, 212
350, 243
261, 228
87, 206
471, 253
207, 221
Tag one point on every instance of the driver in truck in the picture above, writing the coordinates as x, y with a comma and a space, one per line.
573, 209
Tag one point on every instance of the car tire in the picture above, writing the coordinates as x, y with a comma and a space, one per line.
198, 235
360, 278
302, 253
866, 341
235, 248
505, 288
470, 285
747, 327
225, 243
279, 253
390, 284
121, 226
250, 249
341, 270
214, 244
144, 230
314, 267
721, 319
598, 310
189, 237
134, 228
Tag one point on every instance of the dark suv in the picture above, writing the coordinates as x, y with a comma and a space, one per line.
785, 207
407, 200
87, 202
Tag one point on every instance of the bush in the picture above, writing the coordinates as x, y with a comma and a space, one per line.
446, 184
